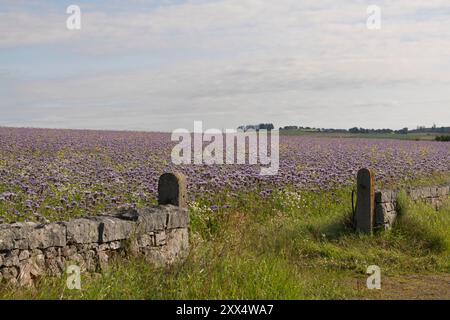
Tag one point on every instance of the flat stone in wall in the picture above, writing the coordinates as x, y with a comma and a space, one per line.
384, 196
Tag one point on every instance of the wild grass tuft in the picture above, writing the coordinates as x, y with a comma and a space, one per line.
286, 246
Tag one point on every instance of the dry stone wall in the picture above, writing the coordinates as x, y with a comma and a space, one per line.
386, 202
29, 250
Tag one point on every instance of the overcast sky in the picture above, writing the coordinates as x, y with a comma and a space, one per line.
159, 65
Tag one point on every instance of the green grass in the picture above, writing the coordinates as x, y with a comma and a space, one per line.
409, 136
424, 226
289, 246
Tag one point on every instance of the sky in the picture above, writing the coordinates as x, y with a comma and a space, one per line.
160, 65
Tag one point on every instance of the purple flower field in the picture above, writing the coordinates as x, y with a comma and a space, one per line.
56, 173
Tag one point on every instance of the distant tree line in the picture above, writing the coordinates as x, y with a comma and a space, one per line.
405, 130
419, 129
257, 127
312, 129
362, 130
433, 129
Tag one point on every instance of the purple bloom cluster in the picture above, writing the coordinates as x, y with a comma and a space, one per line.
52, 172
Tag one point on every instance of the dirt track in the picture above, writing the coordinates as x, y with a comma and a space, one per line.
415, 287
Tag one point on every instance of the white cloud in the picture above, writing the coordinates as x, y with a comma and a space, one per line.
247, 61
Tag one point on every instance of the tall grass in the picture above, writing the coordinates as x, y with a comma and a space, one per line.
423, 226
287, 246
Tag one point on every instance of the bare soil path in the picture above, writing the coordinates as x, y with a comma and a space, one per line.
408, 287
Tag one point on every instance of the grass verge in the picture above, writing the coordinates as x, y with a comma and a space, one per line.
286, 246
